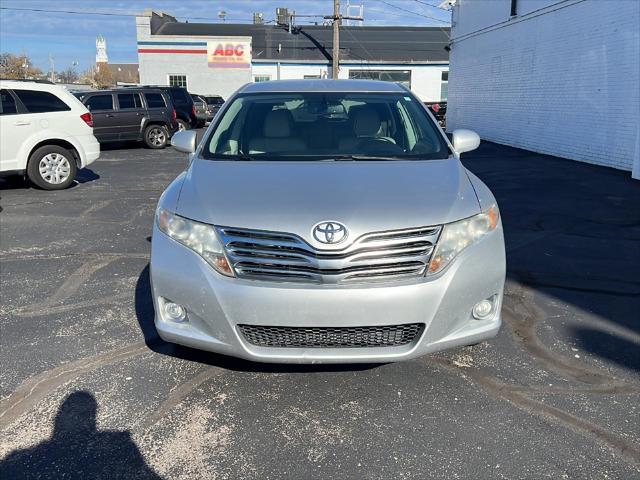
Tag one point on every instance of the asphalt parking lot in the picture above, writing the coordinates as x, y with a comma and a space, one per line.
89, 391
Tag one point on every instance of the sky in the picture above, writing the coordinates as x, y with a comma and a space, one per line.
71, 37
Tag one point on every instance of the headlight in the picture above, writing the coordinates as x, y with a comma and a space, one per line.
457, 236
199, 237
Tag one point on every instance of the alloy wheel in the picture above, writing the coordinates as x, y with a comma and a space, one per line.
157, 137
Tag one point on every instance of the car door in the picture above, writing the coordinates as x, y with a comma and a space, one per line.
130, 114
13, 127
105, 124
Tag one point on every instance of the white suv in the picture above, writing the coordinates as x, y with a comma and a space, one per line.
45, 133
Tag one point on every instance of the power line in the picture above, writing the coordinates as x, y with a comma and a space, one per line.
412, 12
427, 4
106, 14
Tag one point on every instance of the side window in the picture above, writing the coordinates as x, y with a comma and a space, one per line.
128, 101
36, 101
154, 100
8, 105
100, 102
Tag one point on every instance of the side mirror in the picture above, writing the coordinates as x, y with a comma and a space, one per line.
465, 140
184, 141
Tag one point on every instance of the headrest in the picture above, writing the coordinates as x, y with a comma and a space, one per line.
277, 124
366, 122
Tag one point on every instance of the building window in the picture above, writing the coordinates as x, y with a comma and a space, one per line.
178, 81
397, 76
261, 78
444, 86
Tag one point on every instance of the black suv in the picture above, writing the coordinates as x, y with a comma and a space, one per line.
143, 114
214, 102
183, 103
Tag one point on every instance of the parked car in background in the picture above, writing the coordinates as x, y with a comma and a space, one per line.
45, 133
202, 109
183, 103
141, 114
439, 110
358, 235
214, 102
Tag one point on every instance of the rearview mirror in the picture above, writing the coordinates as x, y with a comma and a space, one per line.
184, 141
465, 140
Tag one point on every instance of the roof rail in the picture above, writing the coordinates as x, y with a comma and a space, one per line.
33, 80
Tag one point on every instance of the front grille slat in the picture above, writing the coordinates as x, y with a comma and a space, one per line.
375, 256
331, 337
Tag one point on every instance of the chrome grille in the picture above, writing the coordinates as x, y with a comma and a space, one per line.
331, 337
378, 256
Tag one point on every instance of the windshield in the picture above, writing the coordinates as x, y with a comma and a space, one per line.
325, 126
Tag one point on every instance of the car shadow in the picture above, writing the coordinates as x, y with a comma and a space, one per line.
145, 315
77, 449
13, 182
572, 233
124, 145
86, 175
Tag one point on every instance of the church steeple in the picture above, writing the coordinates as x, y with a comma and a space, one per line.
101, 50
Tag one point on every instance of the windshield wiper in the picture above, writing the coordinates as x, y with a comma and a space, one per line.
342, 158
242, 157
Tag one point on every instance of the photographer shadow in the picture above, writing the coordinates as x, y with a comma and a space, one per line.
77, 449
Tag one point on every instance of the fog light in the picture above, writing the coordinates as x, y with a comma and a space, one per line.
175, 312
483, 309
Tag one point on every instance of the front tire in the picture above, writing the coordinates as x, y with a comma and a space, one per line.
156, 136
52, 168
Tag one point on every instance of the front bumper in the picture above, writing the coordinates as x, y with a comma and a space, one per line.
217, 304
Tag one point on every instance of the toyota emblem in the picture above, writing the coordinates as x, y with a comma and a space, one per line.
330, 232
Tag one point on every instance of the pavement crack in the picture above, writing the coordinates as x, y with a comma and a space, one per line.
177, 395
34, 389
8, 256
629, 450
68, 288
523, 316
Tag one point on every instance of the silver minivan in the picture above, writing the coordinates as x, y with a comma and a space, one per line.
326, 221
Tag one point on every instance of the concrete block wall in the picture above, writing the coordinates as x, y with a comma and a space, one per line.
562, 80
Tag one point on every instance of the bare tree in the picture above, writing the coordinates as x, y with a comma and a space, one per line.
18, 66
68, 76
103, 77
87, 77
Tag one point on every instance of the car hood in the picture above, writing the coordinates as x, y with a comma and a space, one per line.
294, 196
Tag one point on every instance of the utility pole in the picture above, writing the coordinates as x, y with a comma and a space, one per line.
337, 18
52, 67
335, 67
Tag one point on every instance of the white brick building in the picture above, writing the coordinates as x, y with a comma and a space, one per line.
175, 52
553, 76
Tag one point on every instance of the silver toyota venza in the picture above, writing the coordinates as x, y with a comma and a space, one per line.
326, 221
